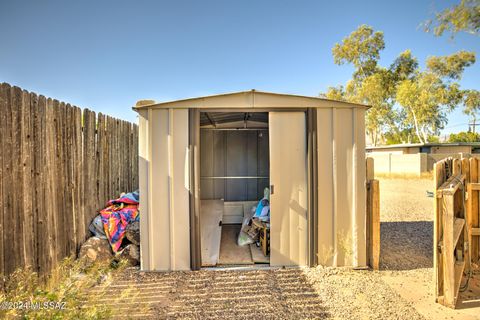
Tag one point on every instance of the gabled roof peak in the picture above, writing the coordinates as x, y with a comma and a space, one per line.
251, 99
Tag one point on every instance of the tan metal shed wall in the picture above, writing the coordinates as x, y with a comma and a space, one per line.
164, 221
288, 174
164, 206
143, 164
341, 189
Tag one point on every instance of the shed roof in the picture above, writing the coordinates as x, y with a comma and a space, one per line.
252, 99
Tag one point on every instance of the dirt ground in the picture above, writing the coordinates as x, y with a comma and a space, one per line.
402, 289
291, 293
406, 215
406, 260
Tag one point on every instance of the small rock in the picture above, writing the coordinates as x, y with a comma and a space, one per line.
95, 250
133, 232
131, 253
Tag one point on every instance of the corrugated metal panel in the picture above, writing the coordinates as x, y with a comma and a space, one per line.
341, 192
288, 163
233, 154
167, 211
360, 184
165, 203
179, 194
143, 164
326, 212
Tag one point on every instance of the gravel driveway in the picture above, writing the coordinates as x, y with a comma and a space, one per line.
406, 258
402, 289
289, 293
406, 215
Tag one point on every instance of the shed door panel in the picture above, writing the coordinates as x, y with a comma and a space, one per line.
288, 175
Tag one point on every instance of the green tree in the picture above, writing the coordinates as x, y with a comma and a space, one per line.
408, 104
362, 49
430, 94
464, 137
471, 102
451, 66
462, 17
370, 84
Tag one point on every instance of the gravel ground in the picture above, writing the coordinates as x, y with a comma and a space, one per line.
405, 200
350, 294
291, 293
406, 258
307, 293
406, 215
402, 289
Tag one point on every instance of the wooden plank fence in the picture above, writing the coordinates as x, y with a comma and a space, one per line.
59, 165
456, 225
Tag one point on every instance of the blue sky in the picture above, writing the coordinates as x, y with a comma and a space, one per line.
106, 55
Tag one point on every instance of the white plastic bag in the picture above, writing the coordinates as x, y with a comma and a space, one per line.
243, 238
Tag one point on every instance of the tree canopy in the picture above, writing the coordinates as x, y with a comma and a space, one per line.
471, 103
407, 103
464, 137
361, 48
462, 17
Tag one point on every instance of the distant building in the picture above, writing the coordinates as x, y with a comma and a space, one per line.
413, 148
416, 158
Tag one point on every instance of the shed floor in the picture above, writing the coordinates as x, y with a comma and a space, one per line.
257, 255
230, 252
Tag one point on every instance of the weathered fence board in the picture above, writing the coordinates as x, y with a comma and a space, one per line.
456, 183
40, 206
59, 165
373, 216
2, 171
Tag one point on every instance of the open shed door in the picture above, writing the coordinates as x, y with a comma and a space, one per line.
288, 179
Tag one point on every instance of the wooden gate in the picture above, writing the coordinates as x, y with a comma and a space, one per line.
456, 229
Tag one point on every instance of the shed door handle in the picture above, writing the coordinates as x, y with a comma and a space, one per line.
271, 188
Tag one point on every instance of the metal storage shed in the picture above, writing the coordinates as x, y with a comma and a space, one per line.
316, 151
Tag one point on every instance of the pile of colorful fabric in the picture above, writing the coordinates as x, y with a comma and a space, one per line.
118, 214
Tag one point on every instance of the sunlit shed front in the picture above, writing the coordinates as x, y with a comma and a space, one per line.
206, 161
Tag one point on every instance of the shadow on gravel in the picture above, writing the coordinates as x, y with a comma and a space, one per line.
406, 245
205, 294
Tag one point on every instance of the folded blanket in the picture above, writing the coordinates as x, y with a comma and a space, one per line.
117, 215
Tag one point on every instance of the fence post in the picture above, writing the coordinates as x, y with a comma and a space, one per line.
373, 217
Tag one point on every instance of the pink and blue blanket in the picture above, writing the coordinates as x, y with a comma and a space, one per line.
117, 215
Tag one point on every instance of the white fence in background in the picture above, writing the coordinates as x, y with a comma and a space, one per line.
410, 164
